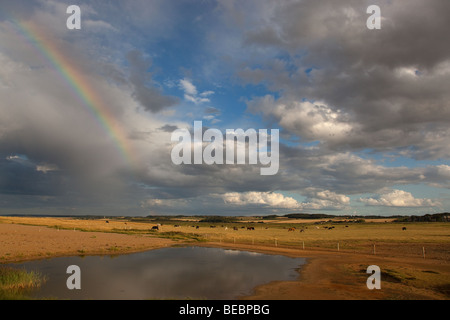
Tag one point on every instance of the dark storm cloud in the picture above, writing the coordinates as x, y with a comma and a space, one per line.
148, 96
388, 86
168, 128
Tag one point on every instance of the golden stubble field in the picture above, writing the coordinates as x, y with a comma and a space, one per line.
414, 262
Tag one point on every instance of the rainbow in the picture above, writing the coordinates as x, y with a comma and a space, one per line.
81, 86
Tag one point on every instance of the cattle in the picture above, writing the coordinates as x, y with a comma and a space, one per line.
197, 227
235, 228
250, 228
177, 226
301, 230
107, 221
155, 228
404, 228
291, 229
212, 226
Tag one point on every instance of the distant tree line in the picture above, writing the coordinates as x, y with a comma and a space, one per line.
309, 216
218, 219
437, 217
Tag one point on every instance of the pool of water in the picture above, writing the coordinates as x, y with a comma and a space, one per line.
169, 273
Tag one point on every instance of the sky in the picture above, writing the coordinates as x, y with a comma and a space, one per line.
87, 115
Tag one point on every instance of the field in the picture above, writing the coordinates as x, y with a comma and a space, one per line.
414, 262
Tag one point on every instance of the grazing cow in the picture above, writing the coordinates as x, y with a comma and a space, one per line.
250, 228
177, 225
235, 228
291, 229
197, 227
212, 226
155, 228
302, 230
404, 228
107, 221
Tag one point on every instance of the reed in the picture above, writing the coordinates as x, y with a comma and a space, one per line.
18, 283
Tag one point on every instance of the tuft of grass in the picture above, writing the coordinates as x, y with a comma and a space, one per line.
178, 235
18, 283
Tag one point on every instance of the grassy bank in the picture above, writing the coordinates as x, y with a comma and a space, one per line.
18, 283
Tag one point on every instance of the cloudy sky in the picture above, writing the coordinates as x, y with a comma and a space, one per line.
86, 116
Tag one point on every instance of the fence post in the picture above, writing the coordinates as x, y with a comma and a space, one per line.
423, 252
303, 245
276, 244
374, 252
338, 246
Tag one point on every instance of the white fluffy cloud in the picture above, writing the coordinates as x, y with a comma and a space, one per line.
399, 198
320, 199
191, 93
270, 199
309, 120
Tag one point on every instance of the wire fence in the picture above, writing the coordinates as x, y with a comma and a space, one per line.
422, 250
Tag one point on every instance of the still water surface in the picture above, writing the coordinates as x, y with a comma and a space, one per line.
169, 273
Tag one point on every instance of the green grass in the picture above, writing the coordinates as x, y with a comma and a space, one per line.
16, 284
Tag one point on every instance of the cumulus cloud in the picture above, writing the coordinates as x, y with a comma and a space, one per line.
310, 121
319, 199
394, 99
270, 199
399, 198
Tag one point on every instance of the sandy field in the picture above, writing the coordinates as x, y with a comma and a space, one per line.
23, 242
328, 274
